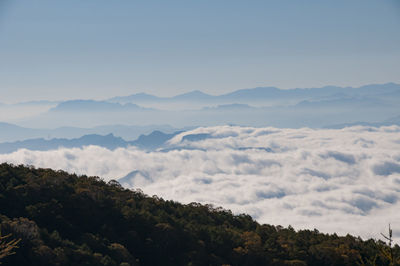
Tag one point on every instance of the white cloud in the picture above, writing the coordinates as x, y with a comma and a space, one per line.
344, 181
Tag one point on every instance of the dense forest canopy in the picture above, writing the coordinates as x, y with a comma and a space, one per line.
65, 219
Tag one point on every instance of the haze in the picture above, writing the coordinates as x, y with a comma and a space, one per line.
58, 50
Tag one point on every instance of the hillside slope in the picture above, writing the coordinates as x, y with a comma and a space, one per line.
66, 219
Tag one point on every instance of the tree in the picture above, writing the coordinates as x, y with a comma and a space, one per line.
7, 246
385, 252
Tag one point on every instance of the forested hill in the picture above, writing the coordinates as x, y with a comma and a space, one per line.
65, 219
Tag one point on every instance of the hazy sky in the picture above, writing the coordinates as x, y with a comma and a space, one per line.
97, 48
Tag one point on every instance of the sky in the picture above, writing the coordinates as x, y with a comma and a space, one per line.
98, 49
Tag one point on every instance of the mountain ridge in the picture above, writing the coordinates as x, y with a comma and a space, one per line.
268, 91
65, 219
150, 141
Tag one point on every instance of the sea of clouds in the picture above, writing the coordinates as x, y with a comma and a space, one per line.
343, 181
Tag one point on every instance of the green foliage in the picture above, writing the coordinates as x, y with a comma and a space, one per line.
65, 219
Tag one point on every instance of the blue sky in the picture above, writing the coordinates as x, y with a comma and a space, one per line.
97, 49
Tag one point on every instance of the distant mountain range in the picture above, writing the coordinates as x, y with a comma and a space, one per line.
238, 96
11, 133
262, 106
265, 94
148, 142
153, 140
94, 106
143, 97
108, 141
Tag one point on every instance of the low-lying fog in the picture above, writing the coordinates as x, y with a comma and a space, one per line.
344, 181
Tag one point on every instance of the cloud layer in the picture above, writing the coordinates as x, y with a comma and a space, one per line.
344, 181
